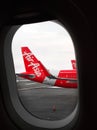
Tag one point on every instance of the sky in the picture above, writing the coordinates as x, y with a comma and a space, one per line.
50, 43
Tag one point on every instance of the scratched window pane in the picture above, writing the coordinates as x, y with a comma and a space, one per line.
45, 68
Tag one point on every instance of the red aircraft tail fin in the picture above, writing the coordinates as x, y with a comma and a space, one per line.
32, 64
73, 64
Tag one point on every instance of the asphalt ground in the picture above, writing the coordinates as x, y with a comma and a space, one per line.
47, 102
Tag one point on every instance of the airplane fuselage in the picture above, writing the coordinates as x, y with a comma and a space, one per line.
71, 74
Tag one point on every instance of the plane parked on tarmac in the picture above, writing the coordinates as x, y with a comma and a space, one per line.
37, 72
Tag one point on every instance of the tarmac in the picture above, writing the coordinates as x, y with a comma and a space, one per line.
47, 102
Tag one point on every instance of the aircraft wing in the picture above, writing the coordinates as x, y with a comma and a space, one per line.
24, 75
70, 79
59, 78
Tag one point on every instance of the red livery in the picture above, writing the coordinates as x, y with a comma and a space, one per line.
37, 72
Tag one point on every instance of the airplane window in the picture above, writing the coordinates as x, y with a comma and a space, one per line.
45, 68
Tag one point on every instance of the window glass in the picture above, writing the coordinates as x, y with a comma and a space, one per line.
45, 68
